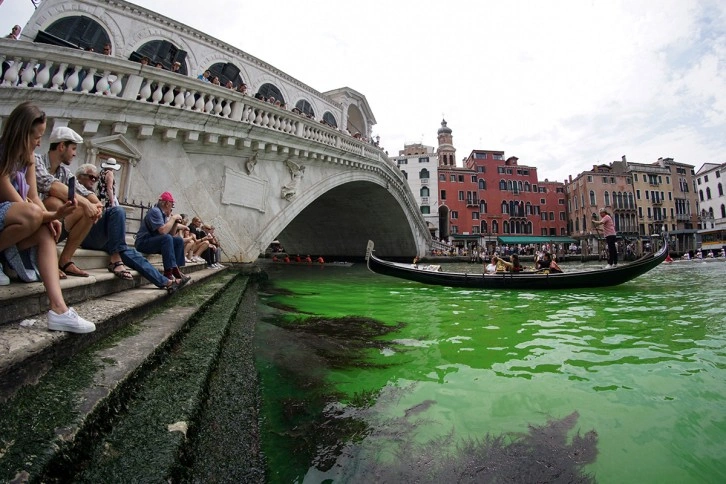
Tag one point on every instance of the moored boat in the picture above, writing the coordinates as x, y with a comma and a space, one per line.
519, 280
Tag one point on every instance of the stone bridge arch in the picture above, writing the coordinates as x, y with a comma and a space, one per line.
338, 215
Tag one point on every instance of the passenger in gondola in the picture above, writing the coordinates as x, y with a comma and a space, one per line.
516, 265
308, 259
320, 260
287, 259
415, 262
546, 263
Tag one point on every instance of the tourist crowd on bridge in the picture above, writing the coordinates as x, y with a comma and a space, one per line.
43, 203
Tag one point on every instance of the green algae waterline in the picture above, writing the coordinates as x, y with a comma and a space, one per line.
369, 378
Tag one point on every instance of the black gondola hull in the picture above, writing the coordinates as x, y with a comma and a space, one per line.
519, 280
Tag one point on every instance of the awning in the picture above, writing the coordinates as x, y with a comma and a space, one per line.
466, 236
534, 239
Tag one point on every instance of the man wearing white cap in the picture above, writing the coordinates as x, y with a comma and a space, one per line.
52, 174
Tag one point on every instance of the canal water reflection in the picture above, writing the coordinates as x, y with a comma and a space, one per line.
433, 384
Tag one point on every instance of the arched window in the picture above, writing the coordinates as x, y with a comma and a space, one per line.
615, 200
505, 227
424, 192
592, 198
528, 209
577, 225
483, 229
529, 227
510, 185
495, 227
708, 193
161, 51
700, 194
710, 212
305, 107
607, 199
330, 119
519, 186
78, 31
723, 211
513, 208
482, 206
505, 207
226, 72
405, 175
503, 185
270, 90
482, 184
631, 203
527, 187
620, 200
584, 223
423, 173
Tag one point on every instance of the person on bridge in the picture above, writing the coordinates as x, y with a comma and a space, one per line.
154, 237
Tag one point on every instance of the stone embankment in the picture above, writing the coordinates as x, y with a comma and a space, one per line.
164, 390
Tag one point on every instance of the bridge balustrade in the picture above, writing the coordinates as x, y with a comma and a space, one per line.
28, 65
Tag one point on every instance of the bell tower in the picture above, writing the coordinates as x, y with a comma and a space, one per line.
446, 151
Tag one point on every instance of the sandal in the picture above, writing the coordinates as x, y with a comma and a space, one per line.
78, 272
121, 274
61, 274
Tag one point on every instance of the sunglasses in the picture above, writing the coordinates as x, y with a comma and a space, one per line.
93, 178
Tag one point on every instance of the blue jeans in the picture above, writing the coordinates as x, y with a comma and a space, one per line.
109, 235
170, 248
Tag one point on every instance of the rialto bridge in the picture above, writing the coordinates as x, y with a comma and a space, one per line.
255, 171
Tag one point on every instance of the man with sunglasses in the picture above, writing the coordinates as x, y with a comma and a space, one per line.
109, 235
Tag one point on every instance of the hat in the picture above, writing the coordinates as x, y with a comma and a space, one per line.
111, 164
166, 197
59, 135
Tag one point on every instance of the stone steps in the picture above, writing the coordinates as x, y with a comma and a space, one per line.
23, 300
143, 372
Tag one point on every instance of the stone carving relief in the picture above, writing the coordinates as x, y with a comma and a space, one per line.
251, 163
296, 173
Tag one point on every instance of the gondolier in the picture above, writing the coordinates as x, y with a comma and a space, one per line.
609, 232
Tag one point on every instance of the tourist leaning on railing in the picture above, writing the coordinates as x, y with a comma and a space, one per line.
24, 221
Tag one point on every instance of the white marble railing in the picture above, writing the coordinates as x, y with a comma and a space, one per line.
38, 66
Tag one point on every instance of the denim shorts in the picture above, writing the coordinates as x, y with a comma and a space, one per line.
4, 207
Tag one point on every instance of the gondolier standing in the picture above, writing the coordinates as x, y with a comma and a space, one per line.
609, 231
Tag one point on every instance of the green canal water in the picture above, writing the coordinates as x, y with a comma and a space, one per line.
367, 378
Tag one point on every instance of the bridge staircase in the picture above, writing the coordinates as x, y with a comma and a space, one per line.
154, 394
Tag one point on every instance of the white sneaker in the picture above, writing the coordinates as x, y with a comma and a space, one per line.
608, 267
4, 280
69, 321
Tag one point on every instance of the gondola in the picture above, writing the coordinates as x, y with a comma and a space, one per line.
518, 280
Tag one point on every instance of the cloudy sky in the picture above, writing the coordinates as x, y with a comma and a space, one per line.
560, 84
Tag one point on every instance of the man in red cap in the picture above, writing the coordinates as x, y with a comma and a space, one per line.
155, 237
